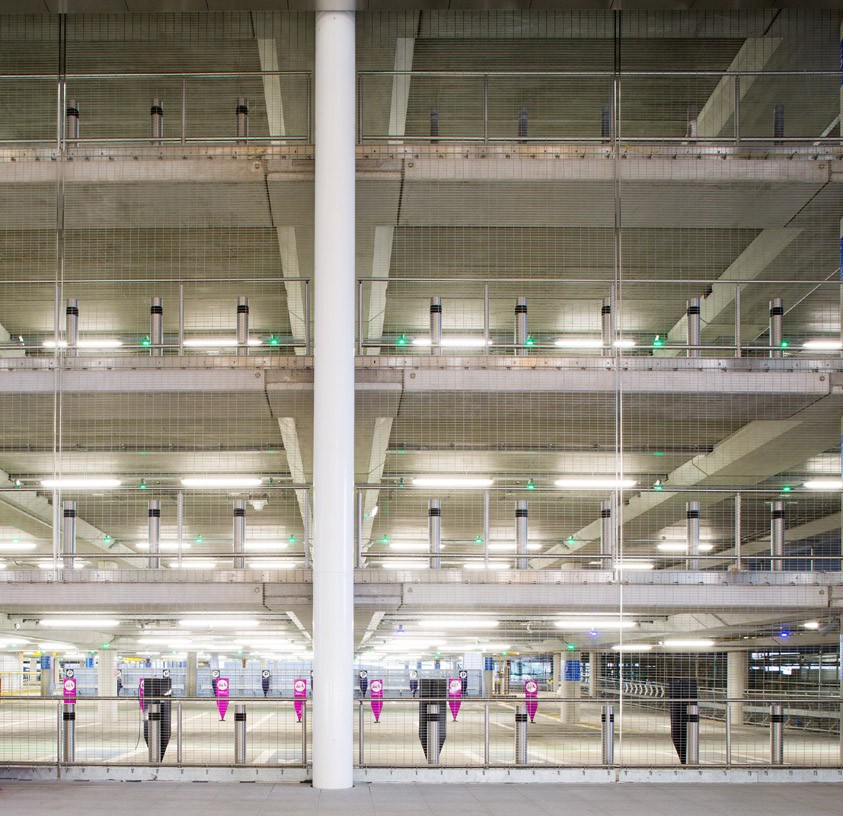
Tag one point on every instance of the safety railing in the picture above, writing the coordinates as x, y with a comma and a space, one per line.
159, 109
593, 317
431, 731
782, 110
156, 317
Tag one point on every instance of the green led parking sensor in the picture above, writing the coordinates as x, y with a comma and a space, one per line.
531, 485
107, 539
291, 539
18, 483
571, 539
786, 488
478, 539
785, 343
572, 647
529, 342
658, 453
657, 485
146, 342
401, 341
273, 340
199, 539
106, 645
384, 539
657, 341
401, 482
142, 485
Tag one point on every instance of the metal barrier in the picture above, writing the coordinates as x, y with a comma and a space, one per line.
266, 733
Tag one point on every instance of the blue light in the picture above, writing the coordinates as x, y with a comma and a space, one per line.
784, 634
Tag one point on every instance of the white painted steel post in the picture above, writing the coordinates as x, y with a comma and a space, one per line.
71, 326
436, 325
242, 326
607, 534
71, 121
694, 327
242, 114
606, 326
776, 535
156, 120
69, 533
333, 411
776, 314
434, 531
520, 327
693, 517
156, 327
154, 526
239, 533
607, 719
692, 757
776, 734
521, 533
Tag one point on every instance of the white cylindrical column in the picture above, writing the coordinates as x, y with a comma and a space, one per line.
520, 326
569, 687
154, 513
737, 669
242, 113
71, 326
776, 314
192, 674
156, 120
68, 532
333, 410
436, 325
776, 535
242, 326
607, 534
107, 684
593, 675
434, 531
521, 533
156, 327
693, 516
239, 533
693, 314
71, 121
606, 327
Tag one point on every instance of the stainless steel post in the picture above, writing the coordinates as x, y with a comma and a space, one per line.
607, 534
68, 533
242, 114
432, 734
71, 326
606, 326
692, 757
520, 327
776, 535
306, 535
436, 325
738, 533
239, 533
156, 120
153, 732
361, 735
434, 531
486, 735
728, 725
486, 529
154, 513
69, 733
607, 720
776, 315
156, 327
520, 735
181, 319
242, 326
776, 734
304, 731
521, 533
71, 121
693, 314
693, 517
178, 733
240, 734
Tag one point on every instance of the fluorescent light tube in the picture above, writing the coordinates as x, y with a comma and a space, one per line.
405, 563
824, 484
79, 623
451, 481
218, 342
86, 344
77, 564
812, 625
21, 546
680, 547
641, 566
454, 342
503, 547
221, 481
265, 546
624, 343
492, 565
692, 643
80, 483
194, 563
164, 546
409, 546
211, 622
271, 563
632, 647
579, 343
822, 345
586, 625
462, 623
595, 483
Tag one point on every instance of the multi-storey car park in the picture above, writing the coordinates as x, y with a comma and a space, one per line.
437, 353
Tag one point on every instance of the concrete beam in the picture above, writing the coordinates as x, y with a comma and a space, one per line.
292, 447
377, 461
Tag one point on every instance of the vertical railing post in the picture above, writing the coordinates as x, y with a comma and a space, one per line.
737, 320
485, 109
361, 740
486, 326
728, 725
307, 348
738, 533
776, 734
607, 720
486, 735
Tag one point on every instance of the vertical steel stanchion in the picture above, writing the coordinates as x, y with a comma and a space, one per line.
432, 734
520, 735
606, 327
693, 735
154, 528
242, 326
306, 535
776, 316
240, 734
486, 735
181, 319
776, 734
156, 121
361, 742
486, 109
776, 536
738, 533
487, 329
178, 733
69, 733
607, 721
239, 533
520, 327
607, 534
693, 315
728, 723
521, 533
693, 519
360, 332
156, 327
241, 113
68, 532
434, 530
71, 326
307, 349
738, 320
153, 707
71, 122
436, 325
59, 737
304, 733
486, 528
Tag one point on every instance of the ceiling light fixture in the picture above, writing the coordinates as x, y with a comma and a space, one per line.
681, 547
641, 566
579, 343
595, 483
585, 625
465, 623
86, 344
822, 345
221, 481
79, 623
81, 483
688, 643
17, 546
823, 484
451, 481
632, 647
455, 342
218, 342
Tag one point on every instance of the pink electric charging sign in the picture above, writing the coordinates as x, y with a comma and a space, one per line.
454, 696
531, 692
222, 696
376, 695
299, 695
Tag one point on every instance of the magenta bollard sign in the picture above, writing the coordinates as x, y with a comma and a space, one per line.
376, 696
222, 696
69, 688
531, 692
299, 696
140, 695
454, 696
